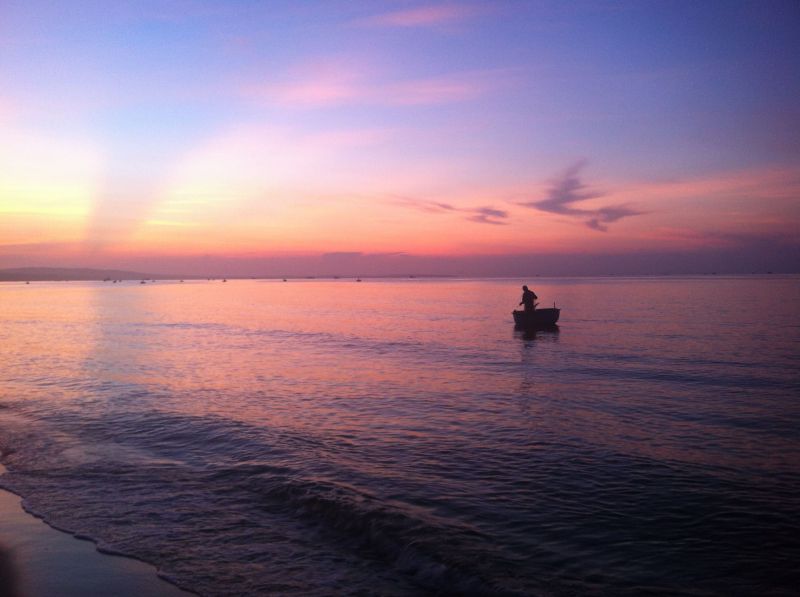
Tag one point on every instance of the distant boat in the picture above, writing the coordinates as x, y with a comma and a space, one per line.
358, 279
539, 318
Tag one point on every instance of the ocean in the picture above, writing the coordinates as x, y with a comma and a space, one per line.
400, 437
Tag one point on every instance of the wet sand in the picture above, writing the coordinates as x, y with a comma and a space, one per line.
37, 560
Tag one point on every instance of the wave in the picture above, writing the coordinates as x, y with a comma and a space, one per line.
187, 490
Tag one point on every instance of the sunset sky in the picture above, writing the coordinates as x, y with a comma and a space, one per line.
299, 137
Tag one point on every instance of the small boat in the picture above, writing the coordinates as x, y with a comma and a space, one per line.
538, 318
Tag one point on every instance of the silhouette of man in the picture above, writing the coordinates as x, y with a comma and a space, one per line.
528, 296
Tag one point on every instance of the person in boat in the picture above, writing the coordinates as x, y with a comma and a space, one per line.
528, 298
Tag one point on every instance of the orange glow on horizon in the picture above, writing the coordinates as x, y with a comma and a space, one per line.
264, 191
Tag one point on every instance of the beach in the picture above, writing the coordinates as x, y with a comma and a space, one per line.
39, 561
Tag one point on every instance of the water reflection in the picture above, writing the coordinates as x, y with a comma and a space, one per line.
387, 415
545, 333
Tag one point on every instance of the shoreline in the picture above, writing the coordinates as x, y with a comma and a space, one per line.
38, 560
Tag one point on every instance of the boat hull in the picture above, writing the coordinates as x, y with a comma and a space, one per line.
540, 318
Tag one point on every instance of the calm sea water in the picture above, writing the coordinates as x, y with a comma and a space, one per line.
400, 437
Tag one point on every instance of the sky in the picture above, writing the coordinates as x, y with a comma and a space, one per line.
400, 137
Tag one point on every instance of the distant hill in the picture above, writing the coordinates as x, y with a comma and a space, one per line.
40, 274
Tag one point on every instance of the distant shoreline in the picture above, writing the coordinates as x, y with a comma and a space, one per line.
48, 274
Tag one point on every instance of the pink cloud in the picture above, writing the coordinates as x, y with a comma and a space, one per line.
422, 16
315, 85
338, 85
312, 93
438, 90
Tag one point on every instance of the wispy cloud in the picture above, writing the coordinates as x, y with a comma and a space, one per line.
430, 15
435, 90
313, 86
336, 84
568, 190
488, 215
480, 215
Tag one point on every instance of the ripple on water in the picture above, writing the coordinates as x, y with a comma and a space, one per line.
245, 451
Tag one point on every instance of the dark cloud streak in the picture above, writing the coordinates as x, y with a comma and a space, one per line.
479, 215
568, 190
